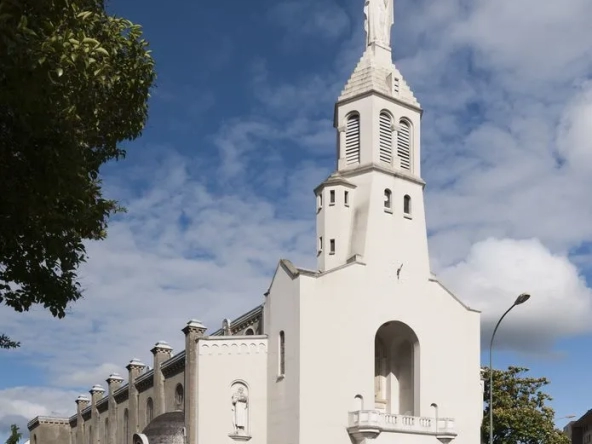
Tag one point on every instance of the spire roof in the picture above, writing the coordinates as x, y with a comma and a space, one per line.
376, 72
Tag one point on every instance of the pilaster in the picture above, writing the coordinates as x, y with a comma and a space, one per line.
193, 331
114, 381
81, 403
134, 368
161, 351
96, 393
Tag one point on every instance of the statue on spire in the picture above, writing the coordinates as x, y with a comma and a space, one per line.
379, 18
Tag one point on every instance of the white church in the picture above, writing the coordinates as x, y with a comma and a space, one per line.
369, 348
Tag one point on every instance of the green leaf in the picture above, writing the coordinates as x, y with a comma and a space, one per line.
102, 51
91, 41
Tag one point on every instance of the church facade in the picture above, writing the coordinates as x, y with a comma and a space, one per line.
369, 348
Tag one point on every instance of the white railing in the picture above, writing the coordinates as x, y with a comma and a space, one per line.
375, 419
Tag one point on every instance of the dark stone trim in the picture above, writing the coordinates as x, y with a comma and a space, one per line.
174, 365
145, 381
121, 394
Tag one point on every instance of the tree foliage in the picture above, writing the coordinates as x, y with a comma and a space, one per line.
520, 410
15, 435
74, 84
6, 342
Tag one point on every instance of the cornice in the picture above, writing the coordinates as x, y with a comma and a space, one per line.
228, 345
145, 381
388, 171
174, 365
121, 394
243, 321
103, 404
86, 412
47, 420
334, 179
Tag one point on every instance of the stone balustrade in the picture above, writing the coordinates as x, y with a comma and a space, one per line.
384, 422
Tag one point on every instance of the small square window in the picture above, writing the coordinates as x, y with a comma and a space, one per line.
332, 197
332, 246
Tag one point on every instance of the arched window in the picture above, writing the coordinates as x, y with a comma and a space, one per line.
386, 137
352, 140
404, 144
282, 353
250, 332
388, 199
126, 429
179, 396
149, 411
407, 204
106, 432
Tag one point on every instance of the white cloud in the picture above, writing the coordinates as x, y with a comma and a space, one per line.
18, 405
536, 41
496, 271
575, 134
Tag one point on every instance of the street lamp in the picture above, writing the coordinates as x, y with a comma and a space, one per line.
519, 300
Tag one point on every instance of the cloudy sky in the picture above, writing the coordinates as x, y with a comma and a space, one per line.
220, 185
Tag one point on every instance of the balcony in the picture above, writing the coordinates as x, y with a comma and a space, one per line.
365, 424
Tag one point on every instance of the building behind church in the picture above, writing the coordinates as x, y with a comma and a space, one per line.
368, 348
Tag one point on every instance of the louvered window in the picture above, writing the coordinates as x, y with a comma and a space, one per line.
386, 138
396, 86
352, 140
404, 144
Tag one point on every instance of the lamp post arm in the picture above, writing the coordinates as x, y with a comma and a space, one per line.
491, 373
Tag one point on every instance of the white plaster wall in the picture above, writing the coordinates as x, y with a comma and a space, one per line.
282, 313
223, 361
334, 221
392, 438
389, 239
340, 316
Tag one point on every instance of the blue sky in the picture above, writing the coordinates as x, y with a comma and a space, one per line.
220, 185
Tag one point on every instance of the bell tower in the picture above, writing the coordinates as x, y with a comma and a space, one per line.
371, 208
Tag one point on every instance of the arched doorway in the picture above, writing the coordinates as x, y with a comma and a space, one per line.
396, 369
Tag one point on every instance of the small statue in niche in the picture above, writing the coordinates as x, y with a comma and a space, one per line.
240, 408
